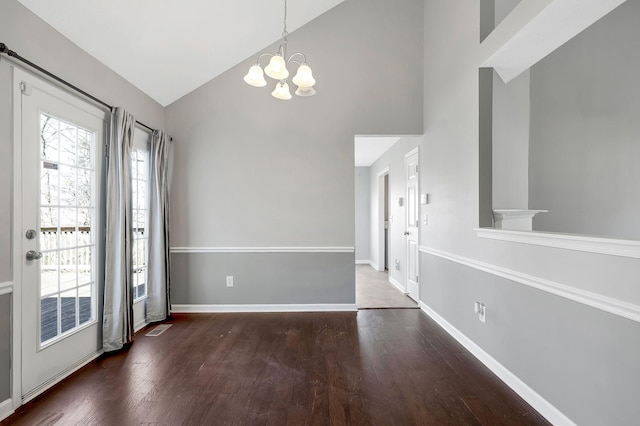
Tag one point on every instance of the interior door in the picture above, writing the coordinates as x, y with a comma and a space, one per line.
412, 221
59, 174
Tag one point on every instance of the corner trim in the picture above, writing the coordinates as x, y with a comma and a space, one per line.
598, 301
6, 288
590, 244
6, 408
263, 250
544, 407
318, 307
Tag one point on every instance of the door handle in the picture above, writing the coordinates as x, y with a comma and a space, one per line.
407, 233
33, 255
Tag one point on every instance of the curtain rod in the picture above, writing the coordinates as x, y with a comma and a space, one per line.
4, 49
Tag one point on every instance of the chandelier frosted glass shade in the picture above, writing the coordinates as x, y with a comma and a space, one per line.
304, 77
281, 91
305, 91
255, 77
277, 68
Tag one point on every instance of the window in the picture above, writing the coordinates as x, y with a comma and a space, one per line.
140, 210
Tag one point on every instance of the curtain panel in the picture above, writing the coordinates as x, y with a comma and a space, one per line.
117, 327
158, 288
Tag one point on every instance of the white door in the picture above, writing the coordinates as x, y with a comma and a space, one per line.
412, 170
58, 178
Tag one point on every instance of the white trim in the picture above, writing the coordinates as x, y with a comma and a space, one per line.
374, 266
6, 409
16, 340
263, 249
363, 262
414, 151
317, 307
140, 325
6, 288
60, 377
379, 219
410, 153
544, 407
598, 301
590, 244
397, 284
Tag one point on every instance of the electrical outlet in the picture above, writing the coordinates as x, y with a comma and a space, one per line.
229, 280
425, 220
481, 310
397, 265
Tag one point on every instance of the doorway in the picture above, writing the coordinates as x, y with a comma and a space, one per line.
58, 174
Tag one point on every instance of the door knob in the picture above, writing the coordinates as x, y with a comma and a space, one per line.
33, 255
407, 233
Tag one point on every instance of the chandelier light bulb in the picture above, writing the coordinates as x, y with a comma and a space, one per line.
277, 68
304, 77
281, 91
255, 77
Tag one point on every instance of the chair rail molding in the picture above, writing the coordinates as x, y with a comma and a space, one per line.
263, 249
608, 304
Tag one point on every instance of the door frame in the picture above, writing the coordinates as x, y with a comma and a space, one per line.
17, 76
379, 261
414, 151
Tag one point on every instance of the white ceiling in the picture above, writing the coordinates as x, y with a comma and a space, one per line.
369, 148
167, 48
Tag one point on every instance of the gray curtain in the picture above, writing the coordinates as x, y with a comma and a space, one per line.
117, 327
158, 301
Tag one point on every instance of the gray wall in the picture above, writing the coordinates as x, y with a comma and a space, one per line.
363, 214
393, 158
568, 352
524, 326
254, 171
585, 149
510, 143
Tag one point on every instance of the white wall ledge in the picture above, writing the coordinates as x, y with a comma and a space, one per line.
590, 244
263, 249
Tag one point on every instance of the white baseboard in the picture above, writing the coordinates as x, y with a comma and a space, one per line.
60, 377
6, 409
397, 284
139, 326
544, 407
336, 307
363, 262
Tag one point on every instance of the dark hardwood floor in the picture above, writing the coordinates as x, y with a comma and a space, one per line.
378, 367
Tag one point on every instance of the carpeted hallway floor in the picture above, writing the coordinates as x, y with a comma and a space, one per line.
374, 291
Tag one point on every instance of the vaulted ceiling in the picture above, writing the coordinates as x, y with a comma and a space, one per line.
168, 48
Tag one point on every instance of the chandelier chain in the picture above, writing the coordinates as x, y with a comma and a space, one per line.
285, 33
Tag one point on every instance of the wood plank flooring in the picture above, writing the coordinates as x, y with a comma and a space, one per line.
373, 367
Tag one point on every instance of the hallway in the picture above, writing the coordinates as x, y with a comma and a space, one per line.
374, 291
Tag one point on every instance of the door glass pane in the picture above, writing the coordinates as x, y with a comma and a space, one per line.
68, 302
49, 316
67, 209
85, 305
140, 207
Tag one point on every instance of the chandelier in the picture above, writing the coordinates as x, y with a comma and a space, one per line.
277, 70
